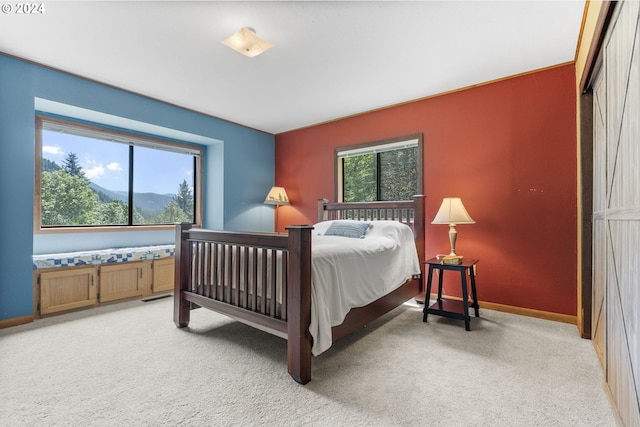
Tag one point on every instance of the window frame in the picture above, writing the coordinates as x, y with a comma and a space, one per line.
382, 145
117, 136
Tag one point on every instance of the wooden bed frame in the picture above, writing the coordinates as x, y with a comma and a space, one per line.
214, 269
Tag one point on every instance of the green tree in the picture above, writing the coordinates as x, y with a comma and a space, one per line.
170, 214
138, 218
360, 178
398, 174
67, 199
72, 167
113, 213
184, 199
116, 212
389, 175
49, 166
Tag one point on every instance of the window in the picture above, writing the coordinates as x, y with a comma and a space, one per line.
380, 171
87, 176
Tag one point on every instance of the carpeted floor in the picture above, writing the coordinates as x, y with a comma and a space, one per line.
128, 365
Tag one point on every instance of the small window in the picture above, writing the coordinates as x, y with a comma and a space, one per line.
87, 176
380, 171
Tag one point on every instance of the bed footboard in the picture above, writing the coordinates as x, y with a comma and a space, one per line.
263, 279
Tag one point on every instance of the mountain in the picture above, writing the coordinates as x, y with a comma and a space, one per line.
147, 203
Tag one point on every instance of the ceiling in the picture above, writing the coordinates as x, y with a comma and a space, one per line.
329, 60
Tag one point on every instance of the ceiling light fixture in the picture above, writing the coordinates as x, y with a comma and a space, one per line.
247, 43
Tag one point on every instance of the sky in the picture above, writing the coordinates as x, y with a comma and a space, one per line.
105, 163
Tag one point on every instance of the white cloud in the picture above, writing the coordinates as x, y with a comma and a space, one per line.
114, 166
52, 149
96, 171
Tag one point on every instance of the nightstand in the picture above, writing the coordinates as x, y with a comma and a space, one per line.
452, 308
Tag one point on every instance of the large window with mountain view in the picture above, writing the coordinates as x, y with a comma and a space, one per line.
380, 171
95, 177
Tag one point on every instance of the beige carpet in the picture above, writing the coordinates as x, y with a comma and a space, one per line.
128, 365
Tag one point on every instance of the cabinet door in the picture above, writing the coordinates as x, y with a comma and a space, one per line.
68, 289
163, 274
123, 280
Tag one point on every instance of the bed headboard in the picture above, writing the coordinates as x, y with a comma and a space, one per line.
410, 212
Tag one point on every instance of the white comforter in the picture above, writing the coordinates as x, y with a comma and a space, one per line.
350, 272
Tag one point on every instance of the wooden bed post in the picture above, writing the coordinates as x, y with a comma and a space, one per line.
299, 339
418, 232
418, 224
181, 307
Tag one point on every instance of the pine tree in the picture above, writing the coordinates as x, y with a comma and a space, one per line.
184, 198
72, 166
49, 166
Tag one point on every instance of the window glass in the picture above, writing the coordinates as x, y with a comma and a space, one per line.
84, 180
398, 174
383, 171
93, 177
162, 186
360, 177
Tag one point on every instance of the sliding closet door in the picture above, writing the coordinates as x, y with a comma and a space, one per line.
617, 217
599, 267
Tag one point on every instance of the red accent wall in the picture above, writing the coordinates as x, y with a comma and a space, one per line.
507, 148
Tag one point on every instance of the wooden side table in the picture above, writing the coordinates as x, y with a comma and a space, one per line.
453, 309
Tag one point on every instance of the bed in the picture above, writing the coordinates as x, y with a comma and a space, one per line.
265, 279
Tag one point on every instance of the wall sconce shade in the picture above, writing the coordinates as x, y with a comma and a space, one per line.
247, 43
452, 212
277, 196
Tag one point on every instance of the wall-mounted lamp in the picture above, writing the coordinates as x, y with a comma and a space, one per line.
452, 212
247, 43
278, 197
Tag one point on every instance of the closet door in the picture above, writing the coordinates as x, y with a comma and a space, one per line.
620, 245
599, 203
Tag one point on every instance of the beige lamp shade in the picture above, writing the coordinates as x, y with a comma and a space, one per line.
247, 43
277, 196
452, 212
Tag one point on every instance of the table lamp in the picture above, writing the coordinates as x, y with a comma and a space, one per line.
452, 212
278, 197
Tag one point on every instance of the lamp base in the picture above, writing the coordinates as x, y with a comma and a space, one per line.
453, 234
452, 260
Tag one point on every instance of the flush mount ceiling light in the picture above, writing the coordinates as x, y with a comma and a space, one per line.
247, 43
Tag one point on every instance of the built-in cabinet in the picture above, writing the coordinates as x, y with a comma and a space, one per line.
70, 288
125, 280
616, 211
163, 275
66, 289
